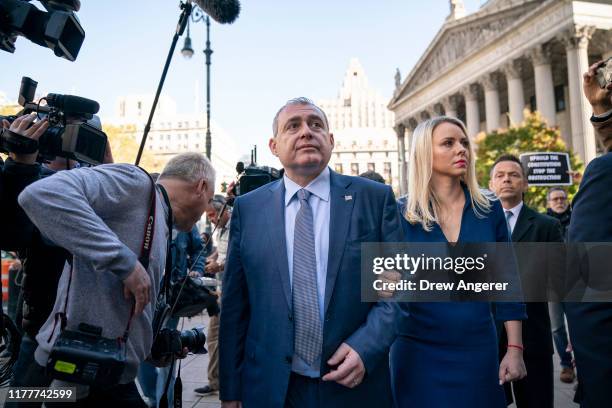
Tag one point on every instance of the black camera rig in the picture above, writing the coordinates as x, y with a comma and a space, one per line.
69, 134
58, 28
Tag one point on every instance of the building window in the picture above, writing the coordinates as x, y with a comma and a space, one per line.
371, 167
354, 169
559, 98
338, 168
180, 124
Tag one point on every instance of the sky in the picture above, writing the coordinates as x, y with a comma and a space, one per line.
276, 50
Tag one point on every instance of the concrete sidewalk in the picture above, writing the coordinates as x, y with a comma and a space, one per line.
193, 375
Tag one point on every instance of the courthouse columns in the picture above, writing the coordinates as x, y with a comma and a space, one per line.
450, 104
545, 92
400, 130
492, 110
516, 97
472, 114
576, 41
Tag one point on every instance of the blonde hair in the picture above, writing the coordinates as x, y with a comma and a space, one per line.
422, 205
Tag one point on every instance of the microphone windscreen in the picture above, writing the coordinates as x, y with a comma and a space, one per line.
222, 11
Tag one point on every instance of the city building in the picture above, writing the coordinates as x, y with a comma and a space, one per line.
362, 127
173, 133
487, 67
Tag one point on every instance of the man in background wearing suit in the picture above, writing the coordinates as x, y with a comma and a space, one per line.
590, 324
294, 332
509, 183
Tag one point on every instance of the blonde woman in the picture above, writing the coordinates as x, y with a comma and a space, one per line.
446, 354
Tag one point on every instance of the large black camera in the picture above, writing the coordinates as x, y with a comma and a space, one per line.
83, 356
69, 135
253, 176
58, 28
170, 342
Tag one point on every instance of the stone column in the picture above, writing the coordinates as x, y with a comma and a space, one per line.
472, 114
492, 110
516, 97
576, 41
400, 130
450, 104
545, 91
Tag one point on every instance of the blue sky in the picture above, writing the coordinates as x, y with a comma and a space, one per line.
276, 50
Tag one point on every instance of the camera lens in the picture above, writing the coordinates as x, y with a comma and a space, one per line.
194, 340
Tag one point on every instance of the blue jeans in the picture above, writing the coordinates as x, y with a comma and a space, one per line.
152, 380
557, 326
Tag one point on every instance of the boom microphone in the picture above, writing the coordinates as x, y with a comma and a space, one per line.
222, 11
73, 104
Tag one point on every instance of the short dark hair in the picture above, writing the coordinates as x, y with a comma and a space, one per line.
372, 175
552, 190
508, 157
297, 101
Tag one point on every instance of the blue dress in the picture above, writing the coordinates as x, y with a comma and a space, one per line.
446, 354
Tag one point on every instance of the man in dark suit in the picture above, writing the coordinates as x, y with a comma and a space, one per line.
590, 324
509, 183
294, 332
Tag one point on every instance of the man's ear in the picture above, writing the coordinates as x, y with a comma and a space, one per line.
331, 140
272, 146
491, 185
201, 187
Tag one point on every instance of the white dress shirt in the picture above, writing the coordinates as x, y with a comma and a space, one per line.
515, 214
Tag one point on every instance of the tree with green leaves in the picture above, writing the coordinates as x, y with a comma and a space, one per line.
533, 135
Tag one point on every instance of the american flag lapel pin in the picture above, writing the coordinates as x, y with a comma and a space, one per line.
348, 197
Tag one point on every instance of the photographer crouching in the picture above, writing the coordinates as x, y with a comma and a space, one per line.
116, 222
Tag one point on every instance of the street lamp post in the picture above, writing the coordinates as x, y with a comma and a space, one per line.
187, 51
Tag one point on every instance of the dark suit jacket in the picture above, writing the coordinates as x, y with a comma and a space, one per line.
256, 326
590, 324
535, 227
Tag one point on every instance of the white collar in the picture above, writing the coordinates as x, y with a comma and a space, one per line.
319, 186
515, 210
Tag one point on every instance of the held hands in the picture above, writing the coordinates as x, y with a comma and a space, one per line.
21, 126
512, 366
138, 284
350, 369
600, 99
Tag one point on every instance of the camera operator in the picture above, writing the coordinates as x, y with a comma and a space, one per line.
19, 171
219, 214
99, 214
590, 323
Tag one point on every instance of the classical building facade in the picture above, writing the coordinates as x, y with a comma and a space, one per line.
363, 128
173, 133
486, 68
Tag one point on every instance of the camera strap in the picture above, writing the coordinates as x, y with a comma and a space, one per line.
145, 255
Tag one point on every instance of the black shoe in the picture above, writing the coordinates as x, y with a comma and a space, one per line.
207, 389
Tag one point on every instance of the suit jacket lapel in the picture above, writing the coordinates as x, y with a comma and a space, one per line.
341, 201
523, 223
276, 227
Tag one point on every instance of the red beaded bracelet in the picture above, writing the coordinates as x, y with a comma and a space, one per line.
517, 346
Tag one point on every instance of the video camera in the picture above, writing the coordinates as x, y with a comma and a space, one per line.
252, 177
68, 135
58, 28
